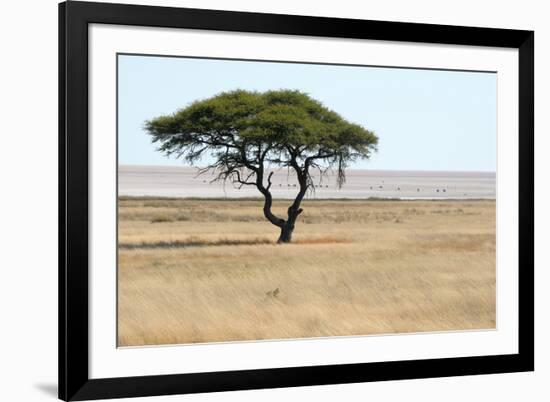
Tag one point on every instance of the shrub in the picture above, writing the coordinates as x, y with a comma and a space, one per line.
161, 219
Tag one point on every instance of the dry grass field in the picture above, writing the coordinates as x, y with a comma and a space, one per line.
209, 270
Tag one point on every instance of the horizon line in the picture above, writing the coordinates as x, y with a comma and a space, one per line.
348, 169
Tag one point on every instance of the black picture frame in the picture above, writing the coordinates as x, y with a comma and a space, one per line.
74, 381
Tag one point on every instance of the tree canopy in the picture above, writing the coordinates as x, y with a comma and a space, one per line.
244, 133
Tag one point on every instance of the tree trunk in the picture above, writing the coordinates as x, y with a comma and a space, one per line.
288, 226
286, 233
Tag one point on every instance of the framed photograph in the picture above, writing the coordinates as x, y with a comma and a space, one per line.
258, 201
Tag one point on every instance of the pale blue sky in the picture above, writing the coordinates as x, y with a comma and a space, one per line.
425, 119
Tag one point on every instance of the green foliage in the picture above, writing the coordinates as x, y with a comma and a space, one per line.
241, 128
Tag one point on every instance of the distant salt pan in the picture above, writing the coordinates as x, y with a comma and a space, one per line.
175, 181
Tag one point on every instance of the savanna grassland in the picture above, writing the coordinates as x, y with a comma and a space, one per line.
209, 270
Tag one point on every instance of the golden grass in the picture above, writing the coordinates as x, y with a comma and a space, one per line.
209, 270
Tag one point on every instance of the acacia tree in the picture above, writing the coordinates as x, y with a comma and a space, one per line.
247, 133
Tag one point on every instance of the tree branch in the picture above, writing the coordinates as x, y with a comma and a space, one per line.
242, 182
269, 180
268, 199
